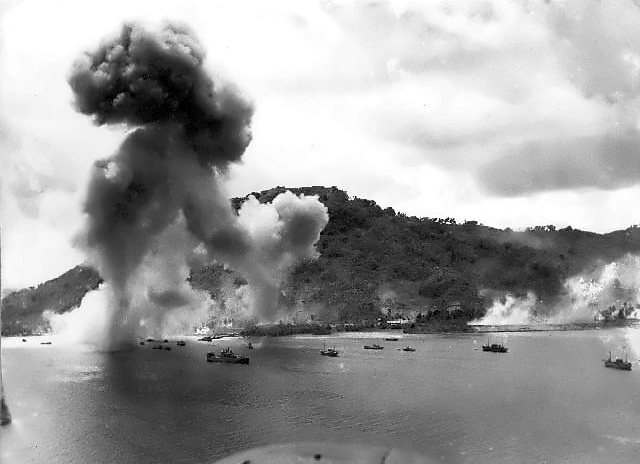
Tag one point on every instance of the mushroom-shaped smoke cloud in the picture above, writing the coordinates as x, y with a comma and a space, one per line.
166, 175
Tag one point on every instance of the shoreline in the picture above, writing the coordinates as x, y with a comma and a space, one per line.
456, 328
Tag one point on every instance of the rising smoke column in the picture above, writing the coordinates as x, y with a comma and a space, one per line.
186, 130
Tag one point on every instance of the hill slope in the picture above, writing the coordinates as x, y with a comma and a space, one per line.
375, 260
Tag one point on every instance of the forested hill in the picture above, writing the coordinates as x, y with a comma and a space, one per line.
22, 310
374, 259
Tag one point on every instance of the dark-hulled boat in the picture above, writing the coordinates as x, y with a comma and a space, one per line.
391, 339
330, 352
181, 343
373, 347
408, 348
495, 348
618, 363
227, 356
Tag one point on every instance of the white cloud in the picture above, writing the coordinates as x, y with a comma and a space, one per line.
421, 106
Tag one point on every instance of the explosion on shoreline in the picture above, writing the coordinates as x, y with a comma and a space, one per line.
157, 206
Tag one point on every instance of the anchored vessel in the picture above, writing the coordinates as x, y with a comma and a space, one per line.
227, 356
332, 352
495, 348
408, 348
373, 347
618, 363
391, 339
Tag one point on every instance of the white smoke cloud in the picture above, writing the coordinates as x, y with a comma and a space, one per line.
157, 300
603, 293
509, 310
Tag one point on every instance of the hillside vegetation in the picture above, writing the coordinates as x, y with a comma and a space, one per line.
22, 310
376, 262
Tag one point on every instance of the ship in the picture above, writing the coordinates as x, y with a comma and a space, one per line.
332, 352
373, 347
408, 348
391, 339
181, 343
227, 356
495, 348
618, 363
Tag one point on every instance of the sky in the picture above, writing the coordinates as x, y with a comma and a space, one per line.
511, 113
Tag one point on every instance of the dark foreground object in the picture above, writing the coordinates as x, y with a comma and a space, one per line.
6, 415
325, 453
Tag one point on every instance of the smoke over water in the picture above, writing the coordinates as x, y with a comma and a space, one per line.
611, 292
156, 207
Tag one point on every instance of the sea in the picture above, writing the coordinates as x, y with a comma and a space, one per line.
548, 400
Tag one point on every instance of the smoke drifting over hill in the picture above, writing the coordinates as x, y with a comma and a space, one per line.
157, 205
609, 292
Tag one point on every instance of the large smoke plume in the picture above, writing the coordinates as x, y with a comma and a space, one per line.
156, 206
609, 292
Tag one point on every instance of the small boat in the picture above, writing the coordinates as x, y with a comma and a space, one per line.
156, 347
45, 343
24, 340
142, 343
206, 338
495, 348
168, 348
373, 347
227, 356
618, 363
331, 352
391, 339
250, 345
150, 340
180, 343
408, 348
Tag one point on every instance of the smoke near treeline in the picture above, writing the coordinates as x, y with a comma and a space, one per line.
157, 206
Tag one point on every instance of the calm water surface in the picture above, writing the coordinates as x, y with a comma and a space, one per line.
548, 400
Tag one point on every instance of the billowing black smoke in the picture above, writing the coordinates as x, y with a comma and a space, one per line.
164, 181
144, 79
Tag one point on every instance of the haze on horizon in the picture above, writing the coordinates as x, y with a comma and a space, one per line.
513, 114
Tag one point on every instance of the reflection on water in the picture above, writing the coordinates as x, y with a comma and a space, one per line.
548, 399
